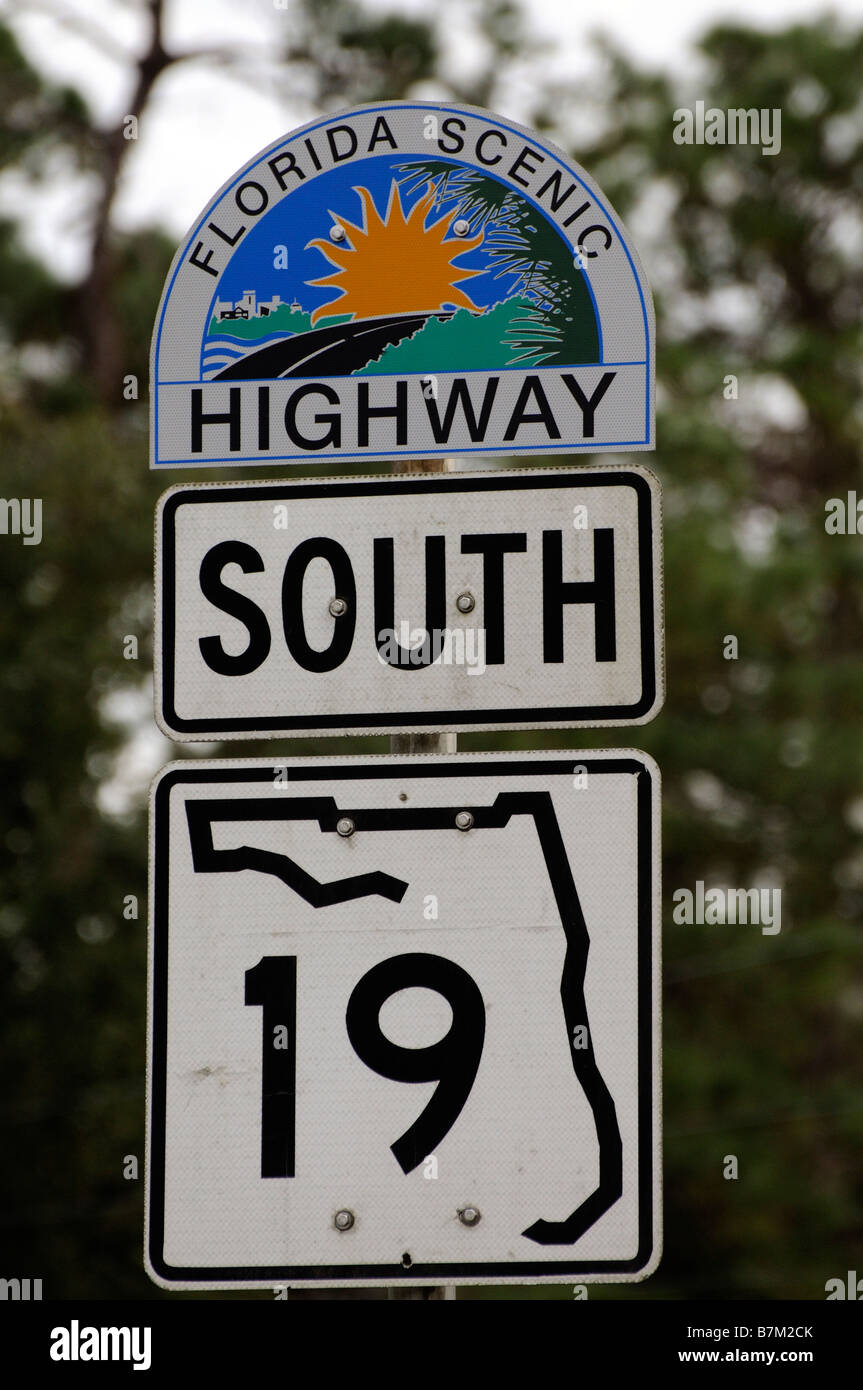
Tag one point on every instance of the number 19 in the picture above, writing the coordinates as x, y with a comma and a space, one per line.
452, 1061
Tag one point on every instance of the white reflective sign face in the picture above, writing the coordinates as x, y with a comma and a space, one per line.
520, 599
404, 1020
406, 278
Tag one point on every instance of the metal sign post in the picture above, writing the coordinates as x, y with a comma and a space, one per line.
423, 742
412, 744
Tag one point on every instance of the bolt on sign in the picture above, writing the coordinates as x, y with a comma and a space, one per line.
404, 1020
403, 279
529, 599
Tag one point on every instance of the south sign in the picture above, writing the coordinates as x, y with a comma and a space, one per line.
403, 279
519, 599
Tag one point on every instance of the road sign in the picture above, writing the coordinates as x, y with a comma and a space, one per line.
405, 278
523, 599
404, 1020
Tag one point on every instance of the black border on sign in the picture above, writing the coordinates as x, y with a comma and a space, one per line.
497, 1271
436, 719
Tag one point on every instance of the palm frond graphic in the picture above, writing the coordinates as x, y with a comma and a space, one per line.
522, 243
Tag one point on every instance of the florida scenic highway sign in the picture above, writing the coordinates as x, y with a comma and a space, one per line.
405, 278
403, 1020
519, 599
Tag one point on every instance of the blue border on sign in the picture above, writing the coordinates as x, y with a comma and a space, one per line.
396, 106
403, 376
528, 450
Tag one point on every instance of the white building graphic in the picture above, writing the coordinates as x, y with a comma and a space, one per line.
249, 307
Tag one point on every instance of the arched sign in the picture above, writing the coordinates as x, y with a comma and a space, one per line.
406, 279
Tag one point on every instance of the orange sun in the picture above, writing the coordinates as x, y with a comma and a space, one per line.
396, 264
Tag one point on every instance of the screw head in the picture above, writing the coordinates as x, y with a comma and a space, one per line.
465, 603
464, 820
461, 226
338, 607
469, 1216
345, 827
337, 232
343, 1220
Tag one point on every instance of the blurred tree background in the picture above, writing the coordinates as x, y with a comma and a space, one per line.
756, 267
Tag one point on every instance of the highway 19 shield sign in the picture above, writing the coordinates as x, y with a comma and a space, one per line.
404, 1021
406, 279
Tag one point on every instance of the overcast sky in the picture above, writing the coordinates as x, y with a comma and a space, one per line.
203, 125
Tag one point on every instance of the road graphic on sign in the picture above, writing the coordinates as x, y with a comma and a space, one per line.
339, 348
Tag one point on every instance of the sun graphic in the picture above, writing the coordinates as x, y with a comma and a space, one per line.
395, 264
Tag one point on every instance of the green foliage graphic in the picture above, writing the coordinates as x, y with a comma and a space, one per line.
559, 328
466, 342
